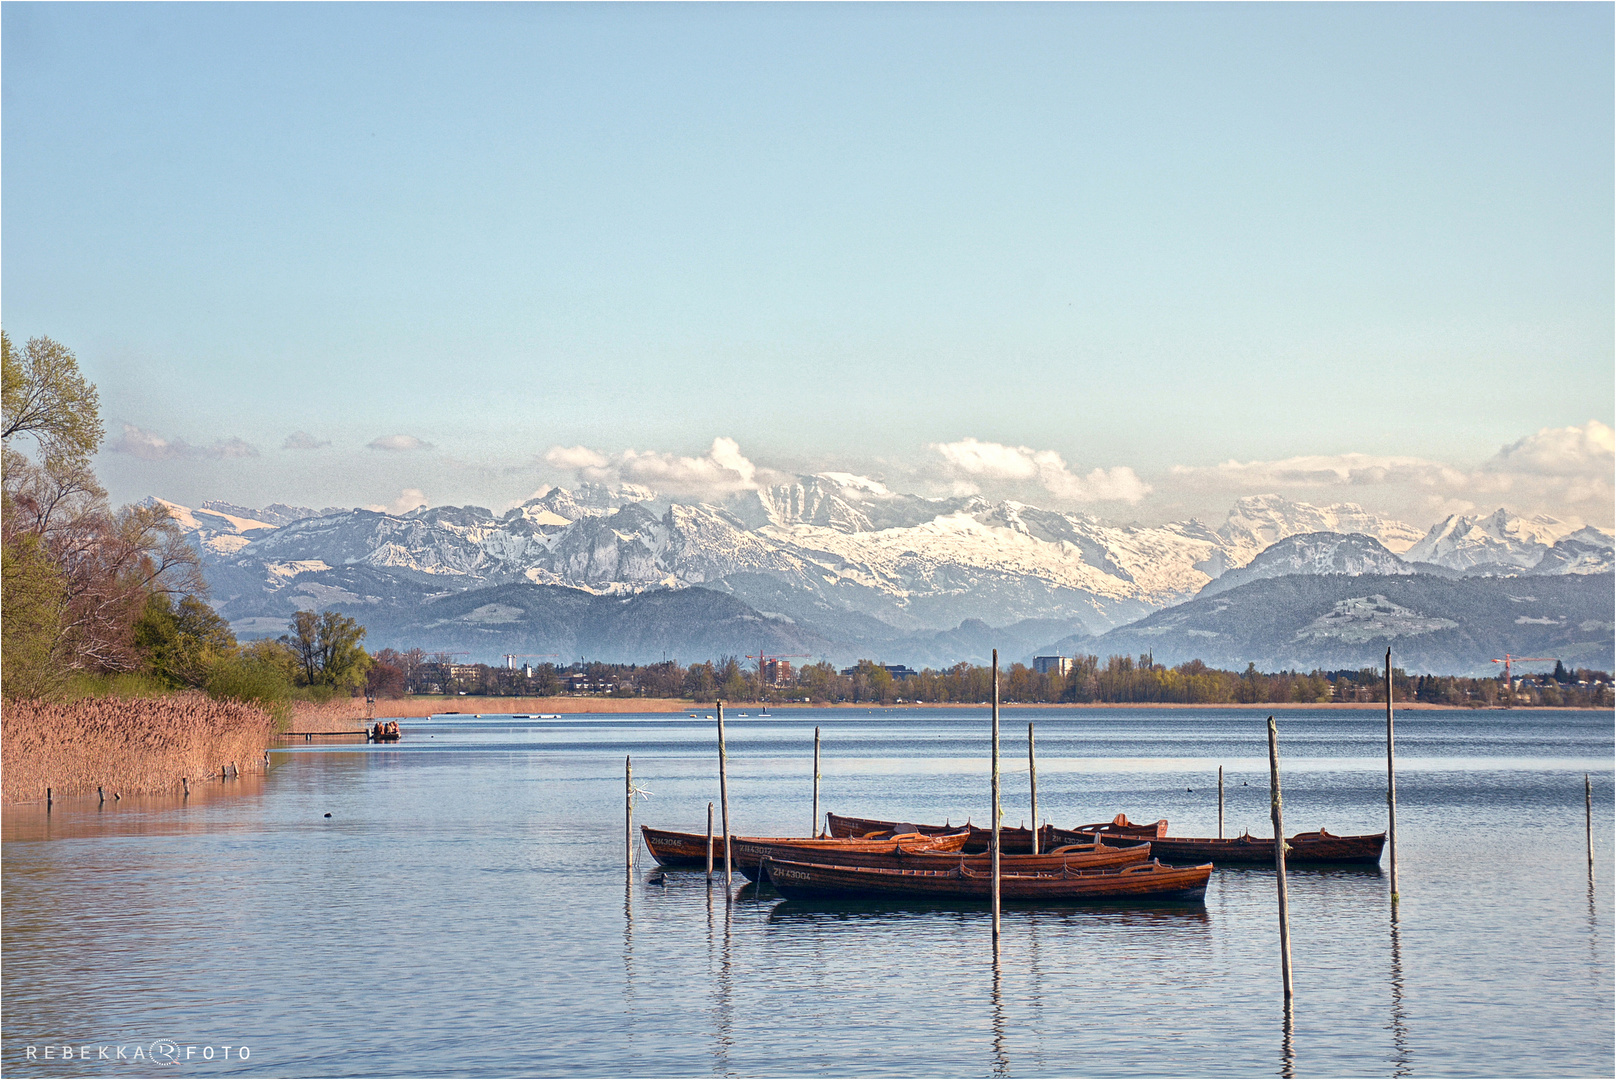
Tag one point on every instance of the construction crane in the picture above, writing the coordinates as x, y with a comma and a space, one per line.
1509, 660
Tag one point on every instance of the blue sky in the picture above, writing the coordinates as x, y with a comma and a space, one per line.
460, 249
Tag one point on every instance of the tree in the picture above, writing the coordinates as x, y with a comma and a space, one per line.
328, 650
182, 643
45, 396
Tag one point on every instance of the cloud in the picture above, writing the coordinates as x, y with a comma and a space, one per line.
398, 443
970, 460
408, 499
302, 440
1563, 471
146, 445
720, 472
1324, 470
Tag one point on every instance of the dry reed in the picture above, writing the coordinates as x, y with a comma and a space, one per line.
126, 745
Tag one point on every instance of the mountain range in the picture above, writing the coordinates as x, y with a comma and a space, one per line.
832, 565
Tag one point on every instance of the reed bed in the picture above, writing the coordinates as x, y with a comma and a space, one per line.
126, 745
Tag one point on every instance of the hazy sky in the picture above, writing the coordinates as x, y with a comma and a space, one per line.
329, 254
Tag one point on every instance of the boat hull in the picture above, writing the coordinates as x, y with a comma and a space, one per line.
1301, 849
907, 857
685, 850
1144, 881
1015, 841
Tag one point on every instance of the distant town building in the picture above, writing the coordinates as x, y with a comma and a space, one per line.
465, 671
777, 672
1059, 665
897, 671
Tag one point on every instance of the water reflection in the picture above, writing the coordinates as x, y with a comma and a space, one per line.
1001, 1056
1287, 1046
724, 989
1400, 1054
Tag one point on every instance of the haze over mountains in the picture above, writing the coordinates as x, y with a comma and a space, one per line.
839, 566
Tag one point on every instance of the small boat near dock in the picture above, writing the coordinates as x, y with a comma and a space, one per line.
682, 849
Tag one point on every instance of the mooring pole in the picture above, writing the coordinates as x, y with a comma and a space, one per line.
628, 815
996, 812
709, 843
1032, 773
1279, 860
1588, 805
723, 796
1391, 779
815, 830
1220, 802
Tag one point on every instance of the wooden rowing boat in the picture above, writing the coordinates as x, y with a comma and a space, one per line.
911, 857
1303, 848
681, 849
1011, 840
1145, 881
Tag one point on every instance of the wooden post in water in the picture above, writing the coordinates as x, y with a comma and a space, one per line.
1032, 773
47, 800
815, 830
996, 813
1220, 802
1588, 805
723, 796
1279, 861
1391, 779
628, 815
709, 843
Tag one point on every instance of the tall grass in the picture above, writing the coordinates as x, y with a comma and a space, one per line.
126, 745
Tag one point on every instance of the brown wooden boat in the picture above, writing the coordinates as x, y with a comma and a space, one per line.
912, 857
1011, 840
1144, 881
1301, 849
682, 849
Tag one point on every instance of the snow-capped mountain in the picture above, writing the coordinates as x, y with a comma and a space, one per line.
837, 552
1321, 553
1501, 542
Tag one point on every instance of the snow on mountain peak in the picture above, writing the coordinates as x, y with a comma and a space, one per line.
1500, 539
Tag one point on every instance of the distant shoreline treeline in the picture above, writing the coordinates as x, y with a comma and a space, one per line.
1118, 680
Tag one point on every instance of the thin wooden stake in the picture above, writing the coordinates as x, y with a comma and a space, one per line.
1032, 773
628, 815
723, 797
1588, 804
1220, 802
47, 800
709, 843
815, 830
1279, 861
1391, 780
996, 812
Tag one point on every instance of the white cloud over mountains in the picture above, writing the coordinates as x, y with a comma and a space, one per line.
1567, 471
146, 445
398, 443
722, 471
971, 461
302, 440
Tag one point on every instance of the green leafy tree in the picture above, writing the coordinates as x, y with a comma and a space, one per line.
45, 396
183, 643
327, 649
34, 597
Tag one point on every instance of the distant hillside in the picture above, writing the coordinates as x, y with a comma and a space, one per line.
1321, 553
1433, 624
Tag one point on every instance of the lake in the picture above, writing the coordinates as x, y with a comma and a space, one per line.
464, 909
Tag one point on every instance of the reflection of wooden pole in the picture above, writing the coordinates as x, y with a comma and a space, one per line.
1391, 779
709, 843
1279, 860
1220, 802
1588, 803
815, 830
996, 813
1032, 772
723, 795
628, 814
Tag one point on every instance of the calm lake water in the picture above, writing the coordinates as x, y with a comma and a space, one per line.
464, 909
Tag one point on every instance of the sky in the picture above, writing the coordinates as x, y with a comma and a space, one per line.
1133, 260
